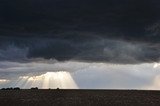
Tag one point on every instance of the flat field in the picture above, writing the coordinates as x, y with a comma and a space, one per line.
79, 98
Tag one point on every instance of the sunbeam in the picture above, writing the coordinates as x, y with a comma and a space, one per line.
3, 80
52, 80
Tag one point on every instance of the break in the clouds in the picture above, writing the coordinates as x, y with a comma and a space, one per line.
71, 74
113, 43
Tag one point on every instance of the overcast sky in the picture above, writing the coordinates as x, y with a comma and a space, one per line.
101, 43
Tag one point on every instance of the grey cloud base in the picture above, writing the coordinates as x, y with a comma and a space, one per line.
95, 50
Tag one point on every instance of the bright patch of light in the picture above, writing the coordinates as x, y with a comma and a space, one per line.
3, 80
52, 80
156, 65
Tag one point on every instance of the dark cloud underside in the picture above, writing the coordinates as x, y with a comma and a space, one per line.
117, 31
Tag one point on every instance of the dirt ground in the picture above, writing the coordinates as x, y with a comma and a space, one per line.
79, 98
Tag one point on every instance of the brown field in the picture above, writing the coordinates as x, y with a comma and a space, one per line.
79, 98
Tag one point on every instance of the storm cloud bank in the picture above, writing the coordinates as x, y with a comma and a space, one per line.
97, 50
114, 31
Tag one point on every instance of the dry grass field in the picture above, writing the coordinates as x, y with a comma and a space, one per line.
79, 98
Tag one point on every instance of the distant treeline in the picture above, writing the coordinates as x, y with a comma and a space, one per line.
17, 88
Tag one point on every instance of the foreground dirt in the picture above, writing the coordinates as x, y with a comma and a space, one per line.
79, 98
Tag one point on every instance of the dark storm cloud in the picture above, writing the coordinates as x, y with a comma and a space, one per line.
126, 18
96, 50
117, 31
